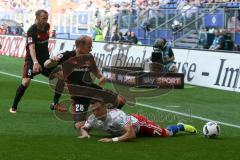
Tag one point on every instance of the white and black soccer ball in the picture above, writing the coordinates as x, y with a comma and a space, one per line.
211, 129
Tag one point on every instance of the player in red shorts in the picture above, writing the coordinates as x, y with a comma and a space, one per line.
126, 127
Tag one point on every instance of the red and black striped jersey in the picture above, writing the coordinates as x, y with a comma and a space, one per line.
40, 39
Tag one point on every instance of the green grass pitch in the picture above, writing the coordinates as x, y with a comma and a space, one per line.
35, 133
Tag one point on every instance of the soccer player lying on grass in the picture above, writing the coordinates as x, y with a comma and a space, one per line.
126, 127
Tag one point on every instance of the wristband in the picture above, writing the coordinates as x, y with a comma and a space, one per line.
35, 62
115, 139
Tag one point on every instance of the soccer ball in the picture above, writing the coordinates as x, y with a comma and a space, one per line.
211, 129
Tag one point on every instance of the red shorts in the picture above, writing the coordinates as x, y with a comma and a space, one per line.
148, 128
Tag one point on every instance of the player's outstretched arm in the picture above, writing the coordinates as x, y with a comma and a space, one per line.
52, 62
128, 135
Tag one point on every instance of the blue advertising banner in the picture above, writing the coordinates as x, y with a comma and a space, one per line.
237, 38
83, 18
214, 20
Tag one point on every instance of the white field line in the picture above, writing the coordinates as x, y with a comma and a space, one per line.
20, 77
188, 115
149, 106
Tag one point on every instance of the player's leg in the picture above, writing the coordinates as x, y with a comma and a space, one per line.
57, 94
27, 76
149, 128
120, 99
174, 129
19, 93
56, 73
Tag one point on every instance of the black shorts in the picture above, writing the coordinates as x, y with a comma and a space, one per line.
80, 108
28, 70
80, 104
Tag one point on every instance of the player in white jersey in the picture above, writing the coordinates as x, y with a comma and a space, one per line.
126, 127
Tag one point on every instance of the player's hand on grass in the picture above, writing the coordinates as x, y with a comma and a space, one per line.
105, 140
84, 136
84, 133
37, 67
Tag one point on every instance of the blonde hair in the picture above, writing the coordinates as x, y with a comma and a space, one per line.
82, 40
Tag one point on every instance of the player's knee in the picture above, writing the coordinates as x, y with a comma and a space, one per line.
26, 82
58, 75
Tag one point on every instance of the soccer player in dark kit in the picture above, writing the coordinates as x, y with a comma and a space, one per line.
77, 66
36, 54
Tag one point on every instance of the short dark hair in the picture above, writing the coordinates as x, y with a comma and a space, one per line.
38, 12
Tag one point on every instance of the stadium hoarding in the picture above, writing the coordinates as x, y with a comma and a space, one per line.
220, 70
136, 77
15, 45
